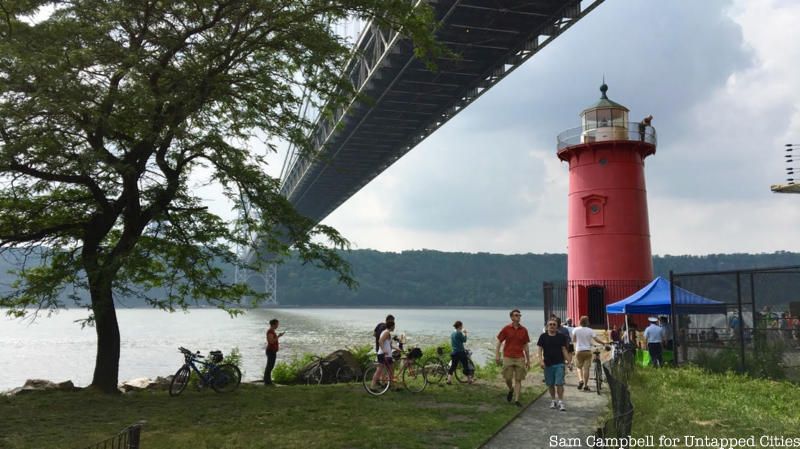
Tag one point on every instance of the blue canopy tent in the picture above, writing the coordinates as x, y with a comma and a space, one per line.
654, 299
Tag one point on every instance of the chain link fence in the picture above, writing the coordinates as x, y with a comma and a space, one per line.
758, 330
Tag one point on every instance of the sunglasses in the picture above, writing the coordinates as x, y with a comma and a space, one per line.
552, 325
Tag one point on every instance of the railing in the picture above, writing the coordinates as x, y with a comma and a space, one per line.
617, 131
128, 438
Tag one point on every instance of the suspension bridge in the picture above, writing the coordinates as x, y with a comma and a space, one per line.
408, 100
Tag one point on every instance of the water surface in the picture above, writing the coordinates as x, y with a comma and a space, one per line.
56, 348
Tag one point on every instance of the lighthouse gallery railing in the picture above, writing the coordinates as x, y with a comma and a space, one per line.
619, 131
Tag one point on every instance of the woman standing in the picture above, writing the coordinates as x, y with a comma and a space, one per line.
459, 354
272, 349
386, 369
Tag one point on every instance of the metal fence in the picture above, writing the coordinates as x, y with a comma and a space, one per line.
617, 373
756, 330
128, 438
589, 296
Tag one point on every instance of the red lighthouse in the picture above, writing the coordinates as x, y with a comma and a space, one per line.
608, 253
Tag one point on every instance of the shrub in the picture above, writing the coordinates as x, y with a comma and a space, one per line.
286, 372
765, 360
363, 355
489, 370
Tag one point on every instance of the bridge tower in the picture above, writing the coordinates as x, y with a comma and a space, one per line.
608, 249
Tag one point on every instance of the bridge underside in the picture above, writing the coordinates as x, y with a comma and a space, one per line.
408, 101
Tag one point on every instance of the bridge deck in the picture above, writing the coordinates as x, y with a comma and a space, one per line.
408, 101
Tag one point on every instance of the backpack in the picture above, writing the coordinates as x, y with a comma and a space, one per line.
377, 333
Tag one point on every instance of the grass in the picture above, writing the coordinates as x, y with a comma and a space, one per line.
330, 416
691, 401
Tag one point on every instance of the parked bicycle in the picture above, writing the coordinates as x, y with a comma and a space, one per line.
221, 377
412, 374
344, 374
597, 367
436, 368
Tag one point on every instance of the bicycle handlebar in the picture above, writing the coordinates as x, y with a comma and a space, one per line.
190, 353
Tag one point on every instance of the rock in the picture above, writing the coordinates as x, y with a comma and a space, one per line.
32, 385
145, 383
140, 383
331, 364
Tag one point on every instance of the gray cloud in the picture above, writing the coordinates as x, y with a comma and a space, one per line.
712, 73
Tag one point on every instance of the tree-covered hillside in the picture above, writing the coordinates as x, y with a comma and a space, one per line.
432, 278
435, 278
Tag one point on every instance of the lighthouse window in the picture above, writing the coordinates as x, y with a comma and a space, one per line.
590, 120
603, 117
619, 117
594, 209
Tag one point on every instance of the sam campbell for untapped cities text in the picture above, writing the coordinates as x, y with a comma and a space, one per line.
663, 441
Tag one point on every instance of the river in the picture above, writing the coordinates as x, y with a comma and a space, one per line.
57, 349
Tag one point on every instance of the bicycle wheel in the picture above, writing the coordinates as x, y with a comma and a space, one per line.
598, 375
179, 381
414, 377
381, 385
435, 371
314, 375
226, 378
345, 375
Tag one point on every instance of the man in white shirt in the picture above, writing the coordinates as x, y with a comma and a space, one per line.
654, 336
582, 337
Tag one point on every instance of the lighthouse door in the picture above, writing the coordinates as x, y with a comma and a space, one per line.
597, 305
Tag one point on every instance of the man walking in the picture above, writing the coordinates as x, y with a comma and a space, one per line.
583, 337
516, 360
552, 357
654, 336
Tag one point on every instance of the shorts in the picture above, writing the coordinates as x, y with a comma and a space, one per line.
385, 360
514, 368
583, 358
554, 375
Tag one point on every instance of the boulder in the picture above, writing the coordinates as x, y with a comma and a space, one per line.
32, 385
331, 364
145, 383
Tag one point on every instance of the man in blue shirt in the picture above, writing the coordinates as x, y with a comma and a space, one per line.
654, 336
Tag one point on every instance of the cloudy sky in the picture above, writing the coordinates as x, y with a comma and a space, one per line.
720, 77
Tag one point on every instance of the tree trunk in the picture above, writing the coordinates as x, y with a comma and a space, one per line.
106, 366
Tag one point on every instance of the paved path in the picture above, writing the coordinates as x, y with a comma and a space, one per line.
535, 425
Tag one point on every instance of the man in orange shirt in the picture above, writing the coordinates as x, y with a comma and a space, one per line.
516, 356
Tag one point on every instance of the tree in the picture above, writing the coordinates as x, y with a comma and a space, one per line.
108, 108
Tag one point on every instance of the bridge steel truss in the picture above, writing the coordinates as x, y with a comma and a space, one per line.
407, 101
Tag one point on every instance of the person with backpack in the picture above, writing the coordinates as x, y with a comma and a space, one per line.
380, 328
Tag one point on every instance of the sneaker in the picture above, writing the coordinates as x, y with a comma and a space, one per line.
553, 404
580, 385
509, 396
518, 404
561, 406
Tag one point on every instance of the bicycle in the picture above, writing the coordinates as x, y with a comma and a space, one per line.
412, 374
436, 368
597, 368
222, 378
315, 374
